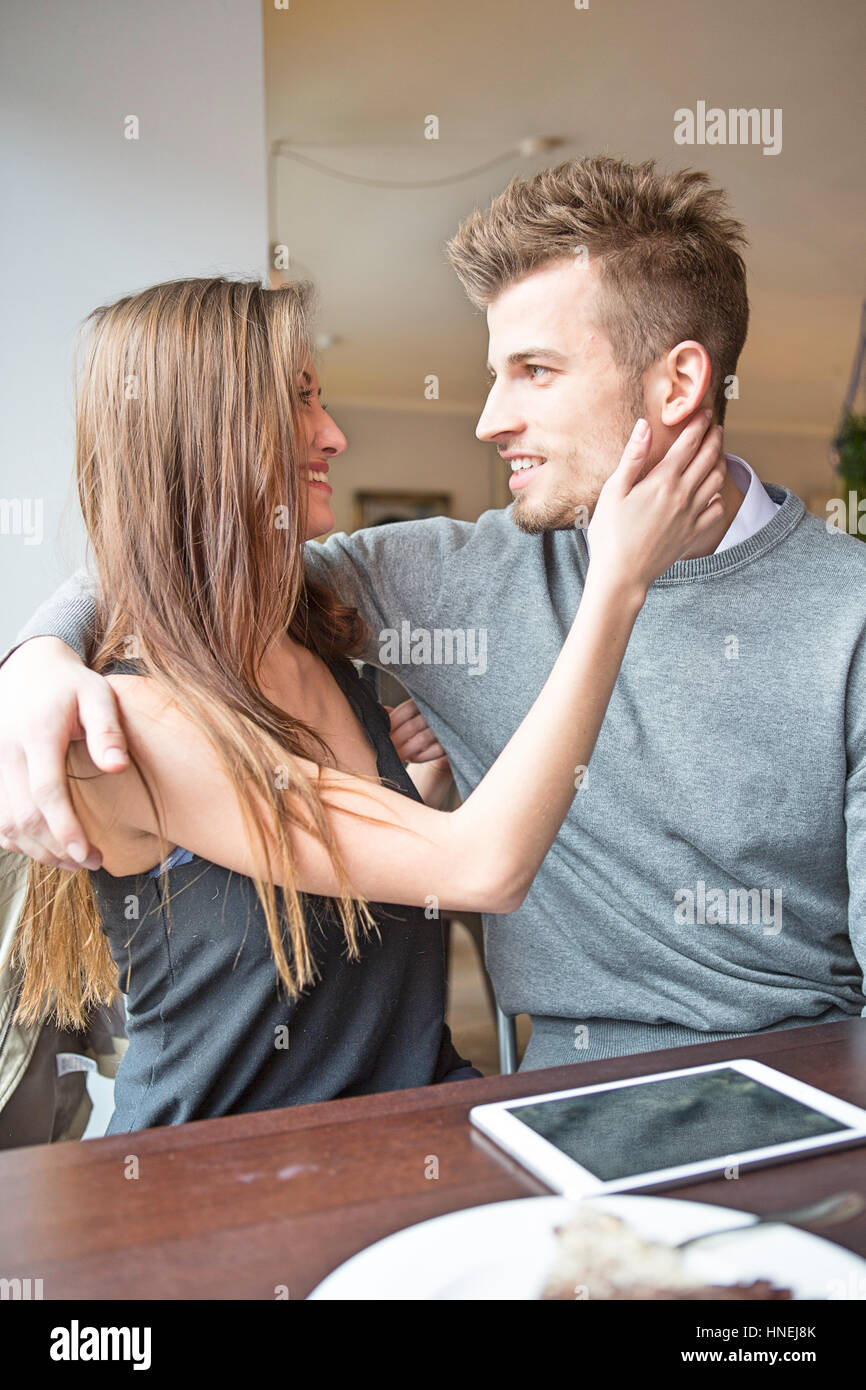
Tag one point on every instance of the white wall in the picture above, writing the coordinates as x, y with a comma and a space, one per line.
90, 215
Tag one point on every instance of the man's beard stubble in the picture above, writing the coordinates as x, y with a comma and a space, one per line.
568, 505
572, 501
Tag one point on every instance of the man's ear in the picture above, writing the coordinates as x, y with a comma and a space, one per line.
681, 382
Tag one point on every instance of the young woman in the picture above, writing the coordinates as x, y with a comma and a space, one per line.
299, 955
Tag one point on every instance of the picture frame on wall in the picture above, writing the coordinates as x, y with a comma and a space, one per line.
379, 508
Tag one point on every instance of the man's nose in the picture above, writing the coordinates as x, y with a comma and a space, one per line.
497, 419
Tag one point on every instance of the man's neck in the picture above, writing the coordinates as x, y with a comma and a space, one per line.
732, 499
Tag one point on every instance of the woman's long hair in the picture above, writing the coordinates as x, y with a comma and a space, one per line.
189, 446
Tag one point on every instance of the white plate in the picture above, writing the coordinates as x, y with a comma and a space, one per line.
504, 1251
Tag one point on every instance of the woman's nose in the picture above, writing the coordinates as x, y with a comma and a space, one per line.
330, 438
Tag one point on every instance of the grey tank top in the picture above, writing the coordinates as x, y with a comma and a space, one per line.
210, 1033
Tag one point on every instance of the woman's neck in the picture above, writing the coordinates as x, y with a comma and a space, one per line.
284, 662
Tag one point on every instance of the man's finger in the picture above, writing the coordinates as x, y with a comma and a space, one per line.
41, 856
411, 729
21, 820
99, 716
417, 749
49, 790
19, 843
428, 754
402, 713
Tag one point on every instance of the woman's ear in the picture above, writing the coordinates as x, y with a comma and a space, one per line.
682, 381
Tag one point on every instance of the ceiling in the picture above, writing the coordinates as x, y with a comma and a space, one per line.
350, 84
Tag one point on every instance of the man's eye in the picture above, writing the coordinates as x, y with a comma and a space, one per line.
533, 367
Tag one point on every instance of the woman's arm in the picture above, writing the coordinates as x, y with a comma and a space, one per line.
484, 855
432, 782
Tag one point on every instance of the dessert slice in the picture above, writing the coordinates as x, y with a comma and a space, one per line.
599, 1256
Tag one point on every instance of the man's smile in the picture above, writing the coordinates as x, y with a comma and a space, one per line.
522, 468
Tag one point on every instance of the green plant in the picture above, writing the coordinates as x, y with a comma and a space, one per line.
851, 451
850, 447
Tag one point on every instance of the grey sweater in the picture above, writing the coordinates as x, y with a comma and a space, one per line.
709, 879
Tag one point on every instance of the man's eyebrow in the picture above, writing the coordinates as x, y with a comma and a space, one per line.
516, 359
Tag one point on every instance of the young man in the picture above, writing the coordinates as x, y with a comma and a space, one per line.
709, 880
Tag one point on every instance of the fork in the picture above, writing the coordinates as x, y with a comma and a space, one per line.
830, 1211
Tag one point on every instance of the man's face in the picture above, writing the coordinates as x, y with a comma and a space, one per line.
557, 397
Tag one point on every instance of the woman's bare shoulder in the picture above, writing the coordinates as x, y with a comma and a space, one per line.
141, 695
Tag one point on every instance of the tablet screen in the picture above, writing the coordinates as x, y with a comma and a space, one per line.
663, 1124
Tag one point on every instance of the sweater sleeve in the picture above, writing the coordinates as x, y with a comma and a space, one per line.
70, 614
855, 804
389, 573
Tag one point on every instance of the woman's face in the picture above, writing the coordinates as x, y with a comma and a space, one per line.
324, 442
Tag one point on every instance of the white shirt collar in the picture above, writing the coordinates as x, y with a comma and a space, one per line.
756, 508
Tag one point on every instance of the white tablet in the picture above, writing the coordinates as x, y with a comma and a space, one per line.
668, 1128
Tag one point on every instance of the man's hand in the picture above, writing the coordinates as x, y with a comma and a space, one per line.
416, 744
413, 738
48, 698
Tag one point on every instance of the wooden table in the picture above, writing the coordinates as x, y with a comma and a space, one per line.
233, 1208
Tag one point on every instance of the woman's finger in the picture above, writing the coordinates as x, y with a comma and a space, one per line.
709, 488
631, 466
687, 447
708, 461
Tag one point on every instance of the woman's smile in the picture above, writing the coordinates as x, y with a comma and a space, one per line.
316, 474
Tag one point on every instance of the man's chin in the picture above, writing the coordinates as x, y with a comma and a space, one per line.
536, 518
